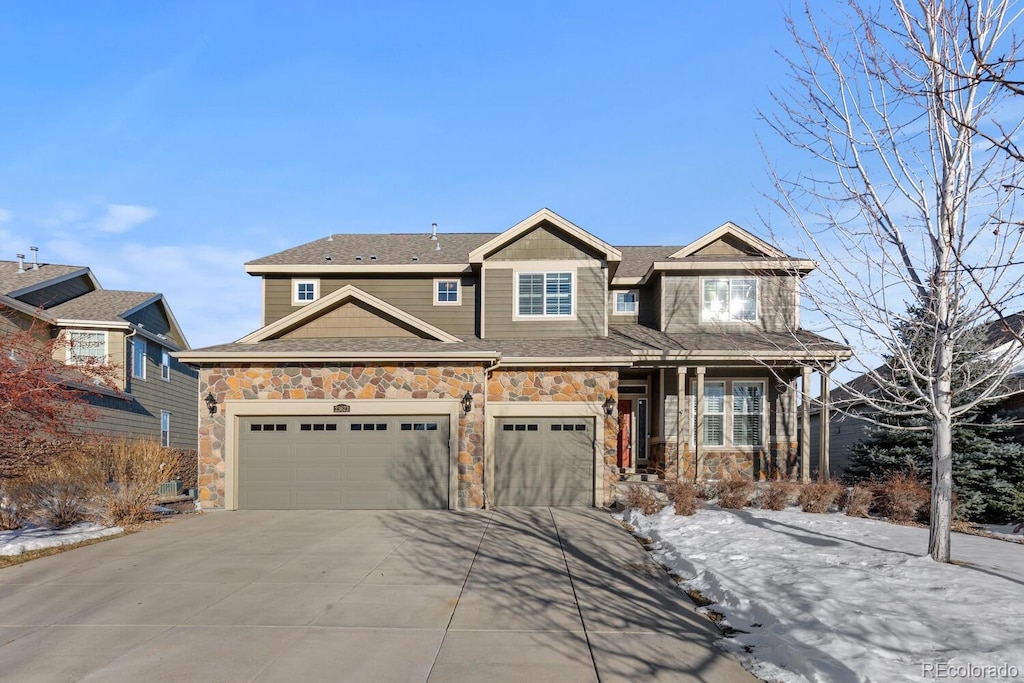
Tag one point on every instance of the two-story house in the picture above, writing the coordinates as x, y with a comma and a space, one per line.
135, 332
527, 367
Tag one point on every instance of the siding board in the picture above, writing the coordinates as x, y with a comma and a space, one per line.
776, 308
590, 308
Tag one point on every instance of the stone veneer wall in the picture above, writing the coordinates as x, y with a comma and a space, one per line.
255, 382
779, 462
564, 385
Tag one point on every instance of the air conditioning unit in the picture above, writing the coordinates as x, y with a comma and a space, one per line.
170, 489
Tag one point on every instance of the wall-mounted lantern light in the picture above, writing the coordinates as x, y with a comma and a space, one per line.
467, 402
211, 403
609, 406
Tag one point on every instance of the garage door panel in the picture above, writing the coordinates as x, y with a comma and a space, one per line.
344, 463
544, 461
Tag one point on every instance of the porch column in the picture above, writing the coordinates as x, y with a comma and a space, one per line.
823, 453
805, 423
698, 437
682, 426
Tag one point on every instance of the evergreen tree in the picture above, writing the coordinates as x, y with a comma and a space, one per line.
988, 464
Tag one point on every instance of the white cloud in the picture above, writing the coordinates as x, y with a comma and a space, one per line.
124, 217
5, 216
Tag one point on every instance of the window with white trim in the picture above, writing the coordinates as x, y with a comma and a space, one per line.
86, 347
729, 299
305, 291
737, 422
747, 411
447, 293
165, 429
138, 357
544, 294
626, 303
714, 413
165, 365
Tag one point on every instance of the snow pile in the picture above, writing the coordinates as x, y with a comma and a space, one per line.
834, 598
36, 538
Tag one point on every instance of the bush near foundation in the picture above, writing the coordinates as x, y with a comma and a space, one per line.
819, 496
126, 477
642, 498
13, 506
736, 492
858, 501
683, 495
778, 495
57, 495
902, 497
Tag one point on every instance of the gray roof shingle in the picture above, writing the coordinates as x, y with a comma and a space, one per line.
12, 281
102, 305
390, 249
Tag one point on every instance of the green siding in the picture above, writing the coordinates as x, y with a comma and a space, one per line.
618, 318
413, 294
58, 293
682, 301
543, 243
154, 320
590, 308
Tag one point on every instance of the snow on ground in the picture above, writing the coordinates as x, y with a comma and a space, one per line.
1011, 532
36, 538
835, 598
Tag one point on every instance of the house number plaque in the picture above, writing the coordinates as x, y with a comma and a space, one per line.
342, 408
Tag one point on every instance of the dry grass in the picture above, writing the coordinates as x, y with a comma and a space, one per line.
683, 495
858, 501
778, 495
902, 497
736, 492
707, 489
127, 478
57, 495
642, 498
819, 496
12, 504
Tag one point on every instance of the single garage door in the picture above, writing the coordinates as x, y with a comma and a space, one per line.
544, 461
343, 463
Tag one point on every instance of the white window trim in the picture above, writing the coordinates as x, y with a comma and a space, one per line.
729, 279
727, 423
516, 315
304, 281
165, 442
68, 351
165, 367
458, 291
145, 353
615, 301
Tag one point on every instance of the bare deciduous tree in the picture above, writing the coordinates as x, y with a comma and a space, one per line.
904, 202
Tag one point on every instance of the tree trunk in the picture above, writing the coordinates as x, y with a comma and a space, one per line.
942, 489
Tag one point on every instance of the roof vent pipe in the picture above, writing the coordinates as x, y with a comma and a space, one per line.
437, 246
433, 231
35, 257
21, 263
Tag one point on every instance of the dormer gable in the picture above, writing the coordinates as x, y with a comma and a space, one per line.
729, 239
541, 229
348, 309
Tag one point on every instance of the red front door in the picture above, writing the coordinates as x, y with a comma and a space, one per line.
625, 433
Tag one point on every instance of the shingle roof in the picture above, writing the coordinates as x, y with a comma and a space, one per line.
390, 249
11, 280
102, 305
645, 338
636, 260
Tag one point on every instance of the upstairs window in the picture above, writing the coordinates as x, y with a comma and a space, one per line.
447, 293
165, 365
729, 299
544, 294
305, 291
626, 302
86, 346
138, 358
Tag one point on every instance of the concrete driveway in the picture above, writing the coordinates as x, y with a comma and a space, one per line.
516, 595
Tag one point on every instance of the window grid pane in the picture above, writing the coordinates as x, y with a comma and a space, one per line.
747, 411
531, 294
86, 347
305, 291
714, 414
448, 292
625, 302
730, 299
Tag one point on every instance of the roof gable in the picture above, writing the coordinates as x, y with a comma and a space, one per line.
338, 299
729, 239
552, 224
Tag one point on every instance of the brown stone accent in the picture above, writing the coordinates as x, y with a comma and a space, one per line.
255, 382
564, 385
778, 462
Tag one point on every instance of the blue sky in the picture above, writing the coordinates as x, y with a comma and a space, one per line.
164, 144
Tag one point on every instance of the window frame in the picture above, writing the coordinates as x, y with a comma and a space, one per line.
297, 282
136, 340
704, 319
729, 415
165, 365
165, 434
438, 281
71, 359
636, 301
516, 311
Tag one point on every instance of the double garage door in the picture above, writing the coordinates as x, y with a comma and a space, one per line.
343, 463
402, 462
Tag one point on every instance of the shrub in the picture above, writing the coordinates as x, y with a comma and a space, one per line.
819, 496
735, 492
707, 489
58, 494
902, 497
858, 501
778, 495
128, 477
642, 498
13, 504
683, 495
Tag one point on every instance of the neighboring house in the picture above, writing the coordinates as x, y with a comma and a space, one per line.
134, 331
527, 367
846, 428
